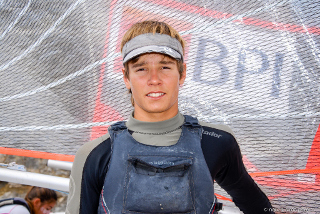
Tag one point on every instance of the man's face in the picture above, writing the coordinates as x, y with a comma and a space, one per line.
154, 81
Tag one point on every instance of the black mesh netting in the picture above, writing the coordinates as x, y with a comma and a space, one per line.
253, 65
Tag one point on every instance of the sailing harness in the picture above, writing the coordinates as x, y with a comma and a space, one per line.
158, 179
11, 201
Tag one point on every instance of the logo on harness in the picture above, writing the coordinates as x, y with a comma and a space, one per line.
212, 134
159, 163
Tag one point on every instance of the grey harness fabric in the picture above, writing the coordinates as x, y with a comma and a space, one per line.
16, 200
157, 179
148, 43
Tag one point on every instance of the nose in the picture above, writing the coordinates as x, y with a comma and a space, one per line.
154, 77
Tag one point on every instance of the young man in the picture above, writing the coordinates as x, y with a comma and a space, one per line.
159, 161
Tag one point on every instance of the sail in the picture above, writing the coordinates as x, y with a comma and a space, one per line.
252, 65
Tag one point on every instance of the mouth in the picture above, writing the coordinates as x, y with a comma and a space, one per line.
155, 95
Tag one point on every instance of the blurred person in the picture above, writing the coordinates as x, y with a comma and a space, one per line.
38, 200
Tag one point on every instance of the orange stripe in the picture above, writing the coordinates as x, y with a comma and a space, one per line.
314, 154
62, 157
70, 158
286, 172
222, 197
36, 154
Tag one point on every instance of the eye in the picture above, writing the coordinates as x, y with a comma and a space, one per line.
140, 69
166, 67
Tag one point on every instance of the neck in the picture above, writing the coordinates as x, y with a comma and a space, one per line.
154, 117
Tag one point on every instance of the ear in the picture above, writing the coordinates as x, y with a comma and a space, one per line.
184, 74
36, 203
126, 80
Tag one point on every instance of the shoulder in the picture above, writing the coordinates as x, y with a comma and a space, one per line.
87, 148
219, 147
90, 151
89, 163
218, 137
14, 209
216, 130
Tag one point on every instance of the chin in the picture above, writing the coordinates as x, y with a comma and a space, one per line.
155, 110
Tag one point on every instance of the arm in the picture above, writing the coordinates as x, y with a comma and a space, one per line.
223, 157
87, 176
234, 178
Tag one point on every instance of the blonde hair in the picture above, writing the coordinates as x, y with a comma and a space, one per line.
151, 26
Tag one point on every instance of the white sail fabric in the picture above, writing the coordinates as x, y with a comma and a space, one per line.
253, 65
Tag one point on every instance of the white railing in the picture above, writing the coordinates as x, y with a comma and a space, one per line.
60, 164
34, 179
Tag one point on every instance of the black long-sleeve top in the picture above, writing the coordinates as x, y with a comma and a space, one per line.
219, 146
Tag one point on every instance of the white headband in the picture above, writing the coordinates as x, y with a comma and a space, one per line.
148, 43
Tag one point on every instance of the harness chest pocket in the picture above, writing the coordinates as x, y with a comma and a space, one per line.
158, 184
